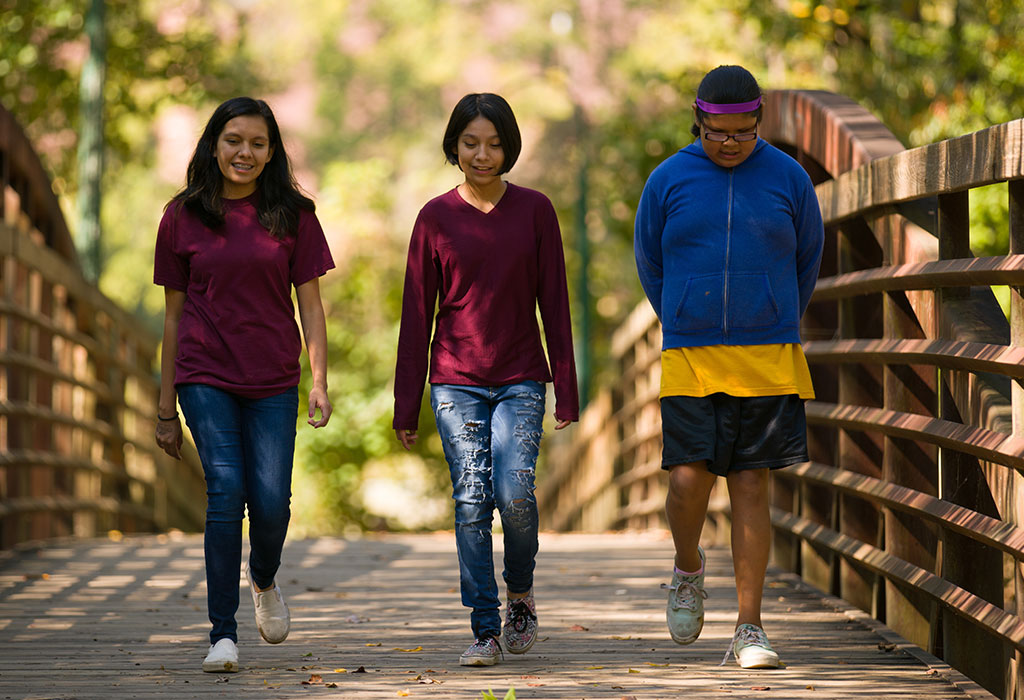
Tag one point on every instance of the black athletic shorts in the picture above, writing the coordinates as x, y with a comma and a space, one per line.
733, 432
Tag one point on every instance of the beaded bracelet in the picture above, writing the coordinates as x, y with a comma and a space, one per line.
174, 417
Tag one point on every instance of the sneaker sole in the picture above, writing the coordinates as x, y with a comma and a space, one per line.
477, 661
685, 640
759, 661
221, 667
525, 649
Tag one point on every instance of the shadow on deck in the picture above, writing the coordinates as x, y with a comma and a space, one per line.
98, 618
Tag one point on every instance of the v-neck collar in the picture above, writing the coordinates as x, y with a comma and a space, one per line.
504, 196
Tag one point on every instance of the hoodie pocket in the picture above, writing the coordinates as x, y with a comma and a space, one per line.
700, 306
751, 301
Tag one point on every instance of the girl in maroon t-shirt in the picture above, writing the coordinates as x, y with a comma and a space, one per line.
229, 249
488, 254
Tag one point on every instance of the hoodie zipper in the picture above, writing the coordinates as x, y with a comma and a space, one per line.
725, 277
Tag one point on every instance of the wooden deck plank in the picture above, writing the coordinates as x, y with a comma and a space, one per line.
95, 619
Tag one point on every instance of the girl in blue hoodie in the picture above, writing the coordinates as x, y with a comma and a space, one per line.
728, 242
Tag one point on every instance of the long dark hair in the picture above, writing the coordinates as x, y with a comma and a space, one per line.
494, 109
727, 85
280, 198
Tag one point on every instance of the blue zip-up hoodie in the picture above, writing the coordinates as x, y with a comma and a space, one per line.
728, 256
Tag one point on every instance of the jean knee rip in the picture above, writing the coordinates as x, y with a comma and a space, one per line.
520, 513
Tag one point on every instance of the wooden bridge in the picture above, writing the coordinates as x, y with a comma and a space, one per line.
910, 511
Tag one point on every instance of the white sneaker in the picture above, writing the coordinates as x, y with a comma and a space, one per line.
272, 617
223, 657
751, 648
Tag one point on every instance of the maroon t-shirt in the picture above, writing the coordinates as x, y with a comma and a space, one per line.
486, 274
238, 329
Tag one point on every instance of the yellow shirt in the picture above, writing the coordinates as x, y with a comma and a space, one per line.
737, 370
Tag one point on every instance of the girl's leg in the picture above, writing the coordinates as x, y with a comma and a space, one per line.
516, 428
463, 417
686, 507
751, 539
214, 419
268, 439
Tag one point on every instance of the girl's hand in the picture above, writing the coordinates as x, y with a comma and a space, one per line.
562, 424
169, 436
318, 399
406, 437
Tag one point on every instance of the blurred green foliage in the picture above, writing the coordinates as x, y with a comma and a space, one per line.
602, 85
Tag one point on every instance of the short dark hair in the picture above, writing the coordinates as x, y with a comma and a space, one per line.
280, 196
494, 109
727, 85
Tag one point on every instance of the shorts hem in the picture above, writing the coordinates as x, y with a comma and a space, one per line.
668, 464
777, 463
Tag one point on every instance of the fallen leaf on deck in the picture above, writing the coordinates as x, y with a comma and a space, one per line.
651, 663
428, 681
633, 670
619, 637
535, 685
314, 679
628, 697
886, 646
403, 693
361, 669
331, 685
341, 670
308, 653
594, 668
810, 687
760, 687
373, 644
577, 628
526, 677
408, 650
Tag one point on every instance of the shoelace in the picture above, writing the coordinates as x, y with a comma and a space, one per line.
519, 614
686, 593
484, 647
751, 635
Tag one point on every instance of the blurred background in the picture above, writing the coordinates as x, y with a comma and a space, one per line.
115, 93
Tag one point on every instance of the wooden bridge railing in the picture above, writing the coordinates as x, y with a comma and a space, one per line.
77, 391
913, 504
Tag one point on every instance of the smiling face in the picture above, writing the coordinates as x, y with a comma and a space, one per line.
243, 149
729, 153
480, 153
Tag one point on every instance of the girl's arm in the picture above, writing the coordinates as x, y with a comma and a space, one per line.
314, 330
168, 432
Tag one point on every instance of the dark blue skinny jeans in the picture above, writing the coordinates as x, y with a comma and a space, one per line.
491, 437
246, 447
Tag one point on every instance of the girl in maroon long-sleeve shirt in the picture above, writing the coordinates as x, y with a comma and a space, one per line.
486, 254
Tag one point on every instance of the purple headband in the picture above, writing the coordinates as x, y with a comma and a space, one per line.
728, 108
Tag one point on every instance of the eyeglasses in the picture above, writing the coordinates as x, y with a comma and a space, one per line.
719, 137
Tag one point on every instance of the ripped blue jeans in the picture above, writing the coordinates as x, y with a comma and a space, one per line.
491, 437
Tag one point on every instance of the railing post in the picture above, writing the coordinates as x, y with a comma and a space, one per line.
1015, 670
859, 385
963, 561
909, 389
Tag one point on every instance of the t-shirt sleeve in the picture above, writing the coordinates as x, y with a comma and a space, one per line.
170, 268
311, 257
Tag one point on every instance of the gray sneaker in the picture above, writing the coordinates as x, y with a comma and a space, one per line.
482, 652
685, 609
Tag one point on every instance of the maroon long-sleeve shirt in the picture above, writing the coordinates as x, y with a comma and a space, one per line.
487, 274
